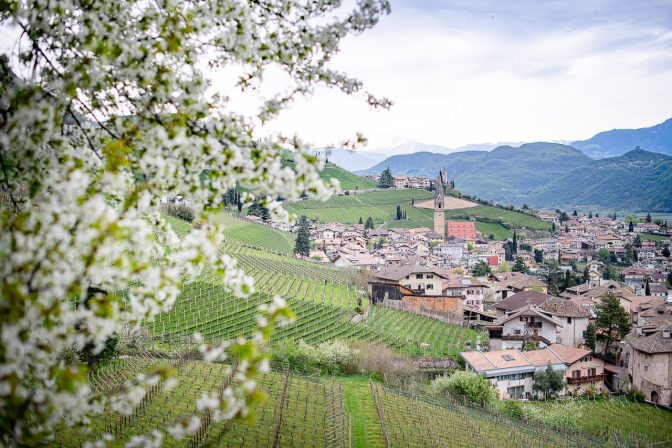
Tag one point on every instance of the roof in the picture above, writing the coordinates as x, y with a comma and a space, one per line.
399, 272
540, 358
563, 308
501, 359
521, 299
569, 355
653, 342
528, 310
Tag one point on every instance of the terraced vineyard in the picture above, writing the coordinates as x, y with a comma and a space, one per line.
298, 412
322, 298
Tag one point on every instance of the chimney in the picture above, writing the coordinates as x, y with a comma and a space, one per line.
666, 333
638, 331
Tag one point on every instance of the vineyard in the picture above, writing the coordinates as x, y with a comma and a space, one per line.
297, 412
256, 235
611, 418
306, 411
417, 421
322, 298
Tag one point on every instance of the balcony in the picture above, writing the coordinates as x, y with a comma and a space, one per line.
586, 379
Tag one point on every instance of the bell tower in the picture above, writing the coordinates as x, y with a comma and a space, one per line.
439, 204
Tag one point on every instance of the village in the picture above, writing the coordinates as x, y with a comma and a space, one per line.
538, 299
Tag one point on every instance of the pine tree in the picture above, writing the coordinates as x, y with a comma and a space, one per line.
386, 179
648, 217
302, 244
590, 215
514, 243
361, 221
575, 213
399, 215
631, 227
612, 321
369, 223
591, 334
553, 227
520, 266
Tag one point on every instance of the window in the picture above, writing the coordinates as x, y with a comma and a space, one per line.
430, 286
429, 276
508, 357
407, 286
592, 372
569, 320
576, 373
418, 276
646, 368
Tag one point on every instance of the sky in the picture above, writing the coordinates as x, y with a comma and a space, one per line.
485, 71
477, 71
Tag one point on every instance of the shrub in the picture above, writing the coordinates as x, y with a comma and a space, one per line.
333, 356
464, 384
513, 408
180, 211
635, 395
382, 364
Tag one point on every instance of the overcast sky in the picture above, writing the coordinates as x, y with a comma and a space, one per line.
484, 71
476, 71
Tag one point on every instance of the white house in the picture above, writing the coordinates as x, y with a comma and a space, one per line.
511, 371
527, 324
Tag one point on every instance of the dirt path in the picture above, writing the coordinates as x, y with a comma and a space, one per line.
450, 204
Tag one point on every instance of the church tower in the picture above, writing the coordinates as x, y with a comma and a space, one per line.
439, 205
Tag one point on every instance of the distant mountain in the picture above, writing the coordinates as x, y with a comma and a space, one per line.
501, 175
617, 142
638, 181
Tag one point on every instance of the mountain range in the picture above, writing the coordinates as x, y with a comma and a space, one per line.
617, 142
554, 175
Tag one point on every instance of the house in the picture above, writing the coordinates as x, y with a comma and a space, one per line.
649, 354
595, 269
519, 300
584, 371
507, 283
574, 320
511, 371
465, 230
529, 324
422, 280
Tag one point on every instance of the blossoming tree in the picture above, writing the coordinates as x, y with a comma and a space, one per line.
105, 108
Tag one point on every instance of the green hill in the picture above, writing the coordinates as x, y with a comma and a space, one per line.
637, 181
348, 180
381, 206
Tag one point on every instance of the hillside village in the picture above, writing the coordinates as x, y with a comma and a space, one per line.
534, 297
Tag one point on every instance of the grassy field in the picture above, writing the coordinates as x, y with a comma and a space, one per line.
381, 206
348, 180
654, 237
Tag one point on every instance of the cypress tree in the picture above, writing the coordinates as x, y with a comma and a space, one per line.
399, 215
631, 227
369, 223
360, 220
302, 245
647, 289
648, 217
514, 244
